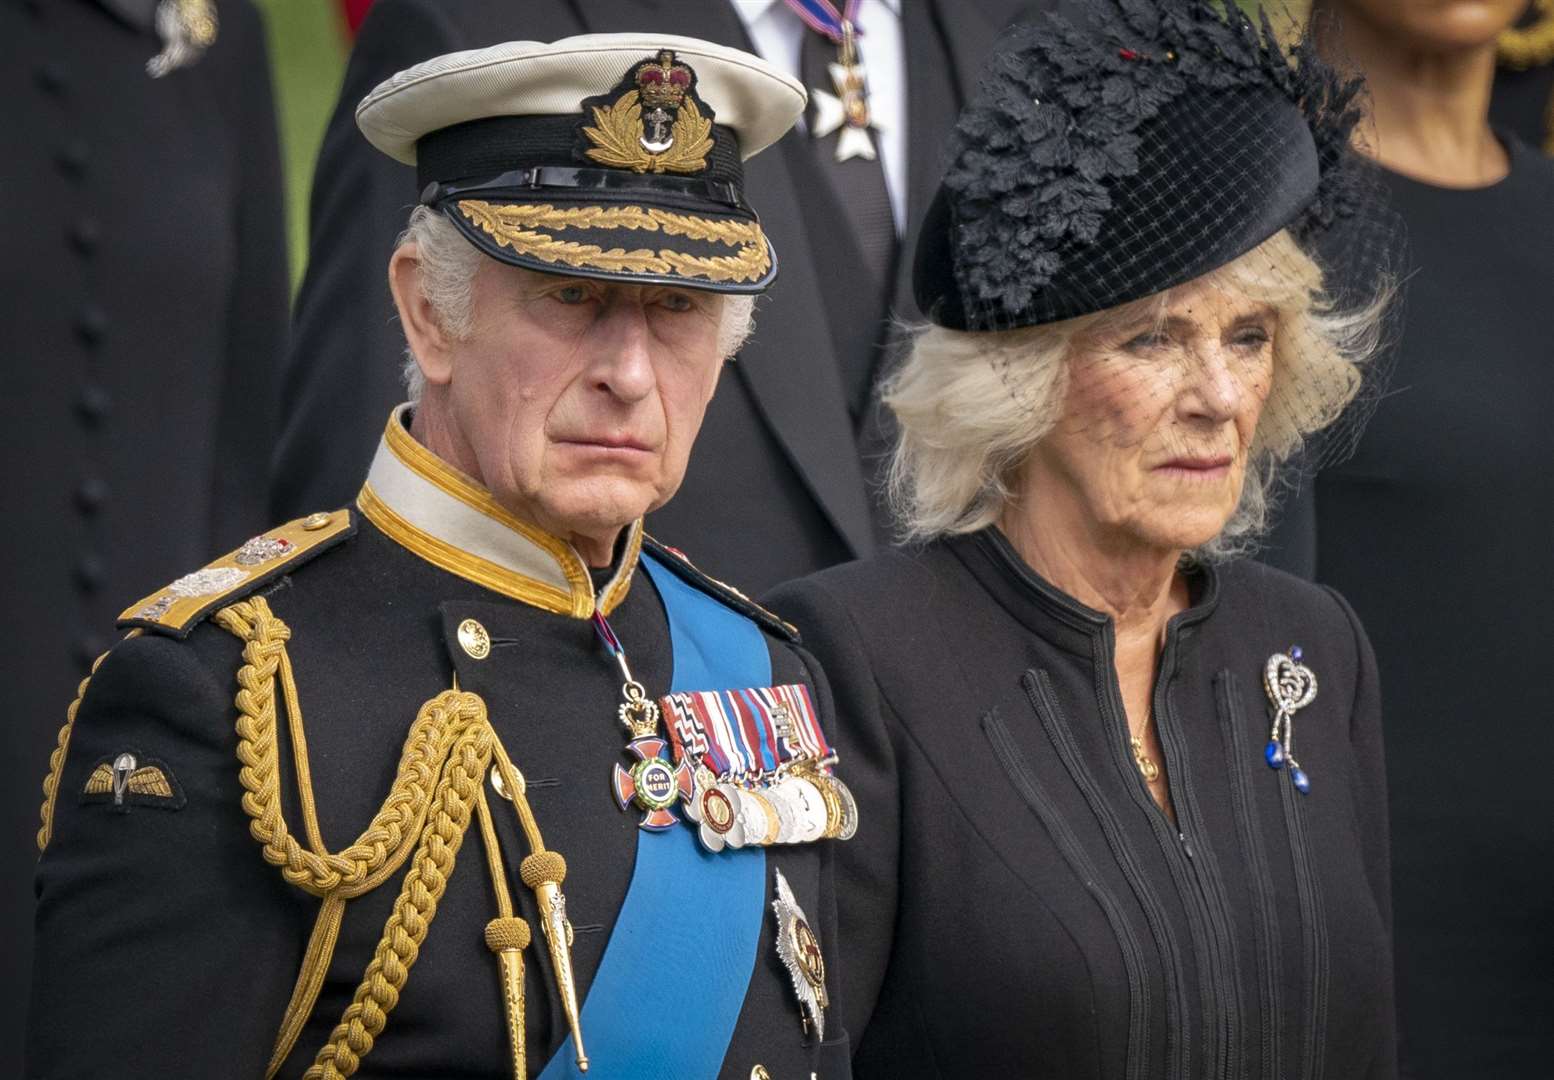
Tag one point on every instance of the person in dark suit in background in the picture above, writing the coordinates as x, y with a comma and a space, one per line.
777, 486
144, 305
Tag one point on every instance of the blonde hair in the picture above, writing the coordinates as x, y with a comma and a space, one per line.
970, 406
447, 278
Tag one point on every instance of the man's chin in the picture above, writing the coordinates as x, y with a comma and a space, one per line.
597, 505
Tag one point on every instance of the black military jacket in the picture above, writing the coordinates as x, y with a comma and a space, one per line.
169, 945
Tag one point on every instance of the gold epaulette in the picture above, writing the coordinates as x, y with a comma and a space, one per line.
681, 564
177, 608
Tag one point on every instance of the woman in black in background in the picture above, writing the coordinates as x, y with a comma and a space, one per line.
1123, 797
1439, 529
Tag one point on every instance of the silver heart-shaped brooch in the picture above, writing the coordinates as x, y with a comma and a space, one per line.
1291, 686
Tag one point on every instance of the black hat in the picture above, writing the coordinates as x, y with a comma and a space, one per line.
606, 155
1107, 162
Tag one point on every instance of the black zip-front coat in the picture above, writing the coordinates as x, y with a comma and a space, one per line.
1018, 905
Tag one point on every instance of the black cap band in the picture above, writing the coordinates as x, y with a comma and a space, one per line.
496, 144
525, 183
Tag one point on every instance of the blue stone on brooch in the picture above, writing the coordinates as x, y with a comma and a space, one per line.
1291, 686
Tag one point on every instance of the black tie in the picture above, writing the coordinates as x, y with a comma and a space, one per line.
857, 183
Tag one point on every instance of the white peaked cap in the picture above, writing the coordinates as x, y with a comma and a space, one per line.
536, 78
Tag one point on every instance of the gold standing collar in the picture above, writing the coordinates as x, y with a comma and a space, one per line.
427, 506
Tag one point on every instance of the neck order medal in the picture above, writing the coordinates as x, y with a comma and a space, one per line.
848, 107
652, 784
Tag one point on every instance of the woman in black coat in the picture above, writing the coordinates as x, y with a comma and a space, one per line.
1091, 842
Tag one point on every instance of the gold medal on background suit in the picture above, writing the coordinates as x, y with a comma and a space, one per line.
847, 108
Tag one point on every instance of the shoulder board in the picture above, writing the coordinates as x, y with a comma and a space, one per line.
178, 608
676, 560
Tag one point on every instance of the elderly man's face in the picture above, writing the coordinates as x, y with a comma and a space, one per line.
1159, 415
578, 400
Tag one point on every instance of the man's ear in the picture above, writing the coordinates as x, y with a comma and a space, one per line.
429, 344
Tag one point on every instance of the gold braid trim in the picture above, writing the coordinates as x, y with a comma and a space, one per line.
380, 850
507, 936
61, 751
518, 228
746, 266
615, 138
385, 844
651, 219
446, 753
545, 216
583, 256
727, 231
405, 931
1532, 46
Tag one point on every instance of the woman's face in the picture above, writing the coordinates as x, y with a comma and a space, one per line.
1444, 25
1158, 419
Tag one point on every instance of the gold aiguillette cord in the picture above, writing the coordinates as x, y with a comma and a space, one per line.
507, 936
447, 752
543, 871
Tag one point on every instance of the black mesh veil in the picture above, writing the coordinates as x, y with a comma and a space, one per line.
1161, 203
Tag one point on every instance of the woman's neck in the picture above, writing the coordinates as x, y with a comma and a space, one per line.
1430, 107
1136, 585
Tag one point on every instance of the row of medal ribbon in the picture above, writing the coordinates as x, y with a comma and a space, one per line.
762, 767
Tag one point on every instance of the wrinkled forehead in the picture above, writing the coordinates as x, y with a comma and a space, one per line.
1207, 304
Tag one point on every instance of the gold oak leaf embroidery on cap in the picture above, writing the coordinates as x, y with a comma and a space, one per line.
655, 127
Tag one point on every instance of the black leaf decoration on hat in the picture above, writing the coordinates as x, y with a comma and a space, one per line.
1056, 122
1333, 108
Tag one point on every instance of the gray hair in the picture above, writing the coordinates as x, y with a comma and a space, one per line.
971, 406
448, 263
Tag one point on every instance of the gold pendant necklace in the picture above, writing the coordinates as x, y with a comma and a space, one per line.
1146, 764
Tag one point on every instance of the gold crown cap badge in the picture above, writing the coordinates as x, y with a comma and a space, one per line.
655, 125
663, 83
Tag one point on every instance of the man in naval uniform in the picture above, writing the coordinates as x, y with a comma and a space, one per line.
475, 779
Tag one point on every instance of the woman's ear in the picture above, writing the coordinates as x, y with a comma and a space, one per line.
429, 343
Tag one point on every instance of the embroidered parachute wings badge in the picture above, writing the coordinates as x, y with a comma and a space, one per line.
131, 779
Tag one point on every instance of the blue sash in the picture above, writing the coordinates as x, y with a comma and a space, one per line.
672, 981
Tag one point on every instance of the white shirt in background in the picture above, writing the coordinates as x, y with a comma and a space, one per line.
778, 34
